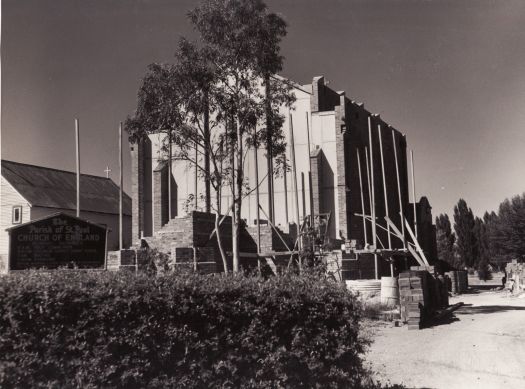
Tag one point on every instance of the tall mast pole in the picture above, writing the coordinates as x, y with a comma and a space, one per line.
401, 214
77, 142
386, 197
120, 223
413, 190
374, 233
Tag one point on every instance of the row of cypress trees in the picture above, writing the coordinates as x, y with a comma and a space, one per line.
476, 242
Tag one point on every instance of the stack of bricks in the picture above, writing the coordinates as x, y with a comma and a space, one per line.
430, 269
413, 293
437, 288
515, 276
422, 293
457, 281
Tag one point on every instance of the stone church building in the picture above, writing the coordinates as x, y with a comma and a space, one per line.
331, 140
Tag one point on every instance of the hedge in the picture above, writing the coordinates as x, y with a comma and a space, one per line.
85, 329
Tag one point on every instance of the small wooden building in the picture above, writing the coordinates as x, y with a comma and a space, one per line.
29, 192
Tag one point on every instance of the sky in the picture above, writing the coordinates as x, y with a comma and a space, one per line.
448, 74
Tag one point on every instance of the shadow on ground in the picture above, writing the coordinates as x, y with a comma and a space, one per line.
476, 289
443, 321
469, 309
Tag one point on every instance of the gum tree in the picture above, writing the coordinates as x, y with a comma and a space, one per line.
243, 38
173, 100
220, 99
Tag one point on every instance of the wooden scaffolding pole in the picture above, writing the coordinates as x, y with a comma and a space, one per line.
303, 195
362, 196
121, 184
372, 183
195, 178
311, 197
401, 214
294, 172
413, 191
169, 177
368, 182
77, 157
385, 194
285, 180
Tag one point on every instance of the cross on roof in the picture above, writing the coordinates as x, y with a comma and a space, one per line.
107, 171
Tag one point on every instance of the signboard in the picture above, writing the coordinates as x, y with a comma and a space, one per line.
58, 240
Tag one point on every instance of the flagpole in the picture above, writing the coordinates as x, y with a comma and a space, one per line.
120, 223
77, 141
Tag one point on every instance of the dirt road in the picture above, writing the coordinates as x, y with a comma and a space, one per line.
481, 346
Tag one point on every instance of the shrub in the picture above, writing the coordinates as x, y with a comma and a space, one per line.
86, 329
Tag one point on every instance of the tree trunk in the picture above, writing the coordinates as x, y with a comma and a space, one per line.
218, 193
207, 155
238, 201
269, 149
219, 241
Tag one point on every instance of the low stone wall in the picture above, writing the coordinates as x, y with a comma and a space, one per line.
181, 235
122, 260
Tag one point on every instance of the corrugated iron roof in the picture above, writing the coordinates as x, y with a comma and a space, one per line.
53, 188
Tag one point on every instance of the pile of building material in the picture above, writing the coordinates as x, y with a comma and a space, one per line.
422, 294
457, 281
366, 288
515, 277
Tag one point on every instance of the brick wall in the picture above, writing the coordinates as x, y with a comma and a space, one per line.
317, 180
342, 182
270, 241
140, 172
323, 98
160, 196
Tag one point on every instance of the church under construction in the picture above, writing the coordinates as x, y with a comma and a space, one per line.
350, 169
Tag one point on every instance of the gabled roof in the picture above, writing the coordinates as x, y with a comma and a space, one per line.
53, 188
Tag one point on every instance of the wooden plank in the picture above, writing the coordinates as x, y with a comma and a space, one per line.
418, 247
267, 254
416, 256
271, 263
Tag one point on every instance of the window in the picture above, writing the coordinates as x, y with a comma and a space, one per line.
17, 214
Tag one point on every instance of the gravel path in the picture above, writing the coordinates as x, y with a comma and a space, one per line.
481, 346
